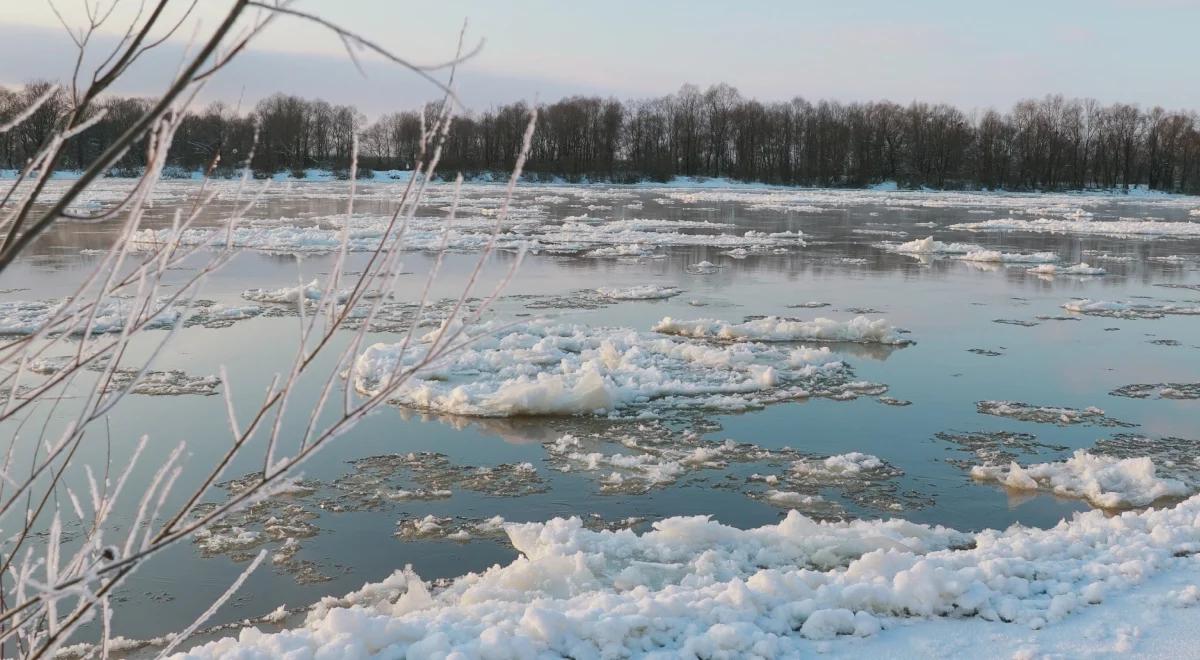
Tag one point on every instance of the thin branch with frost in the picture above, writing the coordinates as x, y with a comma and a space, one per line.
47, 594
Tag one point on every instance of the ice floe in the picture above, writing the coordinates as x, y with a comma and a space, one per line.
26, 317
1178, 391
778, 329
1061, 416
1077, 269
551, 368
1128, 310
1104, 481
928, 246
594, 237
995, 256
692, 586
643, 292
1087, 227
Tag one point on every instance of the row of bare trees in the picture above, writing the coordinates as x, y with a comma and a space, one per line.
1052, 143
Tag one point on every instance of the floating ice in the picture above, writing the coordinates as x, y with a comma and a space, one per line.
25, 317
550, 368
995, 447
630, 250
1077, 269
292, 295
995, 256
928, 246
575, 234
1048, 414
643, 292
1088, 227
1104, 481
694, 587
777, 329
1178, 391
1126, 310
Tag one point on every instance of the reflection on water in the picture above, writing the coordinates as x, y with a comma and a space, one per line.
960, 357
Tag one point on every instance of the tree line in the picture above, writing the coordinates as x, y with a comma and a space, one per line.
1052, 143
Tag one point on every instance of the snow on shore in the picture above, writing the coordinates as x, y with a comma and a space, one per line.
1105, 481
776, 329
693, 587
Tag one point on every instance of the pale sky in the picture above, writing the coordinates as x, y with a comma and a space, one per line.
973, 54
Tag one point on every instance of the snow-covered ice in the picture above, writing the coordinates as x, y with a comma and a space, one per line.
1081, 268
642, 292
928, 246
551, 368
694, 587
1128, 310
777, 329
995, 256
1087, 227
1104, 481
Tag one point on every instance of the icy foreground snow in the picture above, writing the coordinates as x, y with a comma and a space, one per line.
553, 368
696, 588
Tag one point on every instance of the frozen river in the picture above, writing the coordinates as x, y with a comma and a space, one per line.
669, 351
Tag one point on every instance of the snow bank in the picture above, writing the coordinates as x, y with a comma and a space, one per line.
1104, 481
550, 368
692, 587
644, 292
773, 328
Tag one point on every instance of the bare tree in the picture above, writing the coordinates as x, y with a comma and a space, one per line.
47, 591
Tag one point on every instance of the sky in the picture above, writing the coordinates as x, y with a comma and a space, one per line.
972, 54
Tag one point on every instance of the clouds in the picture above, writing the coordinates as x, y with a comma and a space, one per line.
970, 54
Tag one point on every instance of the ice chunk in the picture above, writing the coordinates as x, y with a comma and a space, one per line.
550, 368
1104, 481
643, 292
773, 328
691, 586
